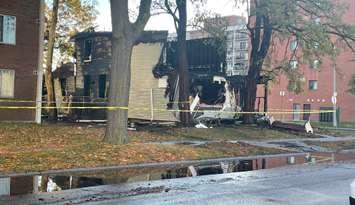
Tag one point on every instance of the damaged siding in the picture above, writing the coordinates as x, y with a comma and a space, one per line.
145, 93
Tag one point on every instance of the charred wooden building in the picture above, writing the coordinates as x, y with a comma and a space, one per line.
154, 80
93, 62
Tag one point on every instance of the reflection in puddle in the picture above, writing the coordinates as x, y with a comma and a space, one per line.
52, 183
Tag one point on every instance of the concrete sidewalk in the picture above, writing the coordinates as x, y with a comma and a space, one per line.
305, 184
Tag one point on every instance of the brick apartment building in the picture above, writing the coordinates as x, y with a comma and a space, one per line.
317, 85
19, 49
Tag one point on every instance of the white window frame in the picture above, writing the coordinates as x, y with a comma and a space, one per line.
243, 45
8, 33
13, 84
314, 87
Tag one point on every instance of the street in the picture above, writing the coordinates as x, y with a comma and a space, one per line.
313, 184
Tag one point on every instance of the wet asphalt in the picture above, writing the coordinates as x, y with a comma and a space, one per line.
326, 184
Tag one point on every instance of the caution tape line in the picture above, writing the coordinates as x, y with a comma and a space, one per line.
162, 110
31, 101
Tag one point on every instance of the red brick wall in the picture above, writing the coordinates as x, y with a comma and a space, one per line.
22, 57
321, 97
276, 162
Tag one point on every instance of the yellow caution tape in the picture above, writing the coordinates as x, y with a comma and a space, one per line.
273, 111
163, 110
65, 102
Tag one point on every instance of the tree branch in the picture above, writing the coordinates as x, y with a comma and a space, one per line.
171, 12
143, 16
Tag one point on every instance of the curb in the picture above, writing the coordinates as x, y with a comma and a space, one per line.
148, 165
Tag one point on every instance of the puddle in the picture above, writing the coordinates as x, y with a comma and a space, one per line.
52, 183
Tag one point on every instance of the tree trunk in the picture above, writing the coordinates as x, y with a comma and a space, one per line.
250, 95
120, 79
58, 94
184, 89
52, 112
124, 36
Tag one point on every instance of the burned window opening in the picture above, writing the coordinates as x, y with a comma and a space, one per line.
211, 93
88, 48
102, 86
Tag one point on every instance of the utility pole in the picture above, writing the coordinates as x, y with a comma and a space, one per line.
40, 64
266, 94
334, 97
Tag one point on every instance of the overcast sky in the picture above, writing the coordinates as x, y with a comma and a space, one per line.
164, 22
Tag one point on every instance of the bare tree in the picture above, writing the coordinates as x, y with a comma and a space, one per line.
64, 19
52, 113
124, 36
177, 10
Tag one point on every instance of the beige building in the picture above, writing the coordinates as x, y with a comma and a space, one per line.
147, 93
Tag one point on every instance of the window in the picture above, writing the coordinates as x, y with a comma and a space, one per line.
88, 47
7, 29
315, 64
102, 86
294, 64
242, 35
293, 45
315, 45
7, 83
313, 85
243, 45
326, 116
241, 55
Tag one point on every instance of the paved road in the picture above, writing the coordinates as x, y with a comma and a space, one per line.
316, 185
298, 144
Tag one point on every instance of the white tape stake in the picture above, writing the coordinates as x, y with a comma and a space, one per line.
353, 189
352, 195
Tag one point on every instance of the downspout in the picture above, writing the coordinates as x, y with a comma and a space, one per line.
266, 96
40, 64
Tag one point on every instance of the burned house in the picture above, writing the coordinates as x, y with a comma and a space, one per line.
154, 80
204, 62
147, 94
